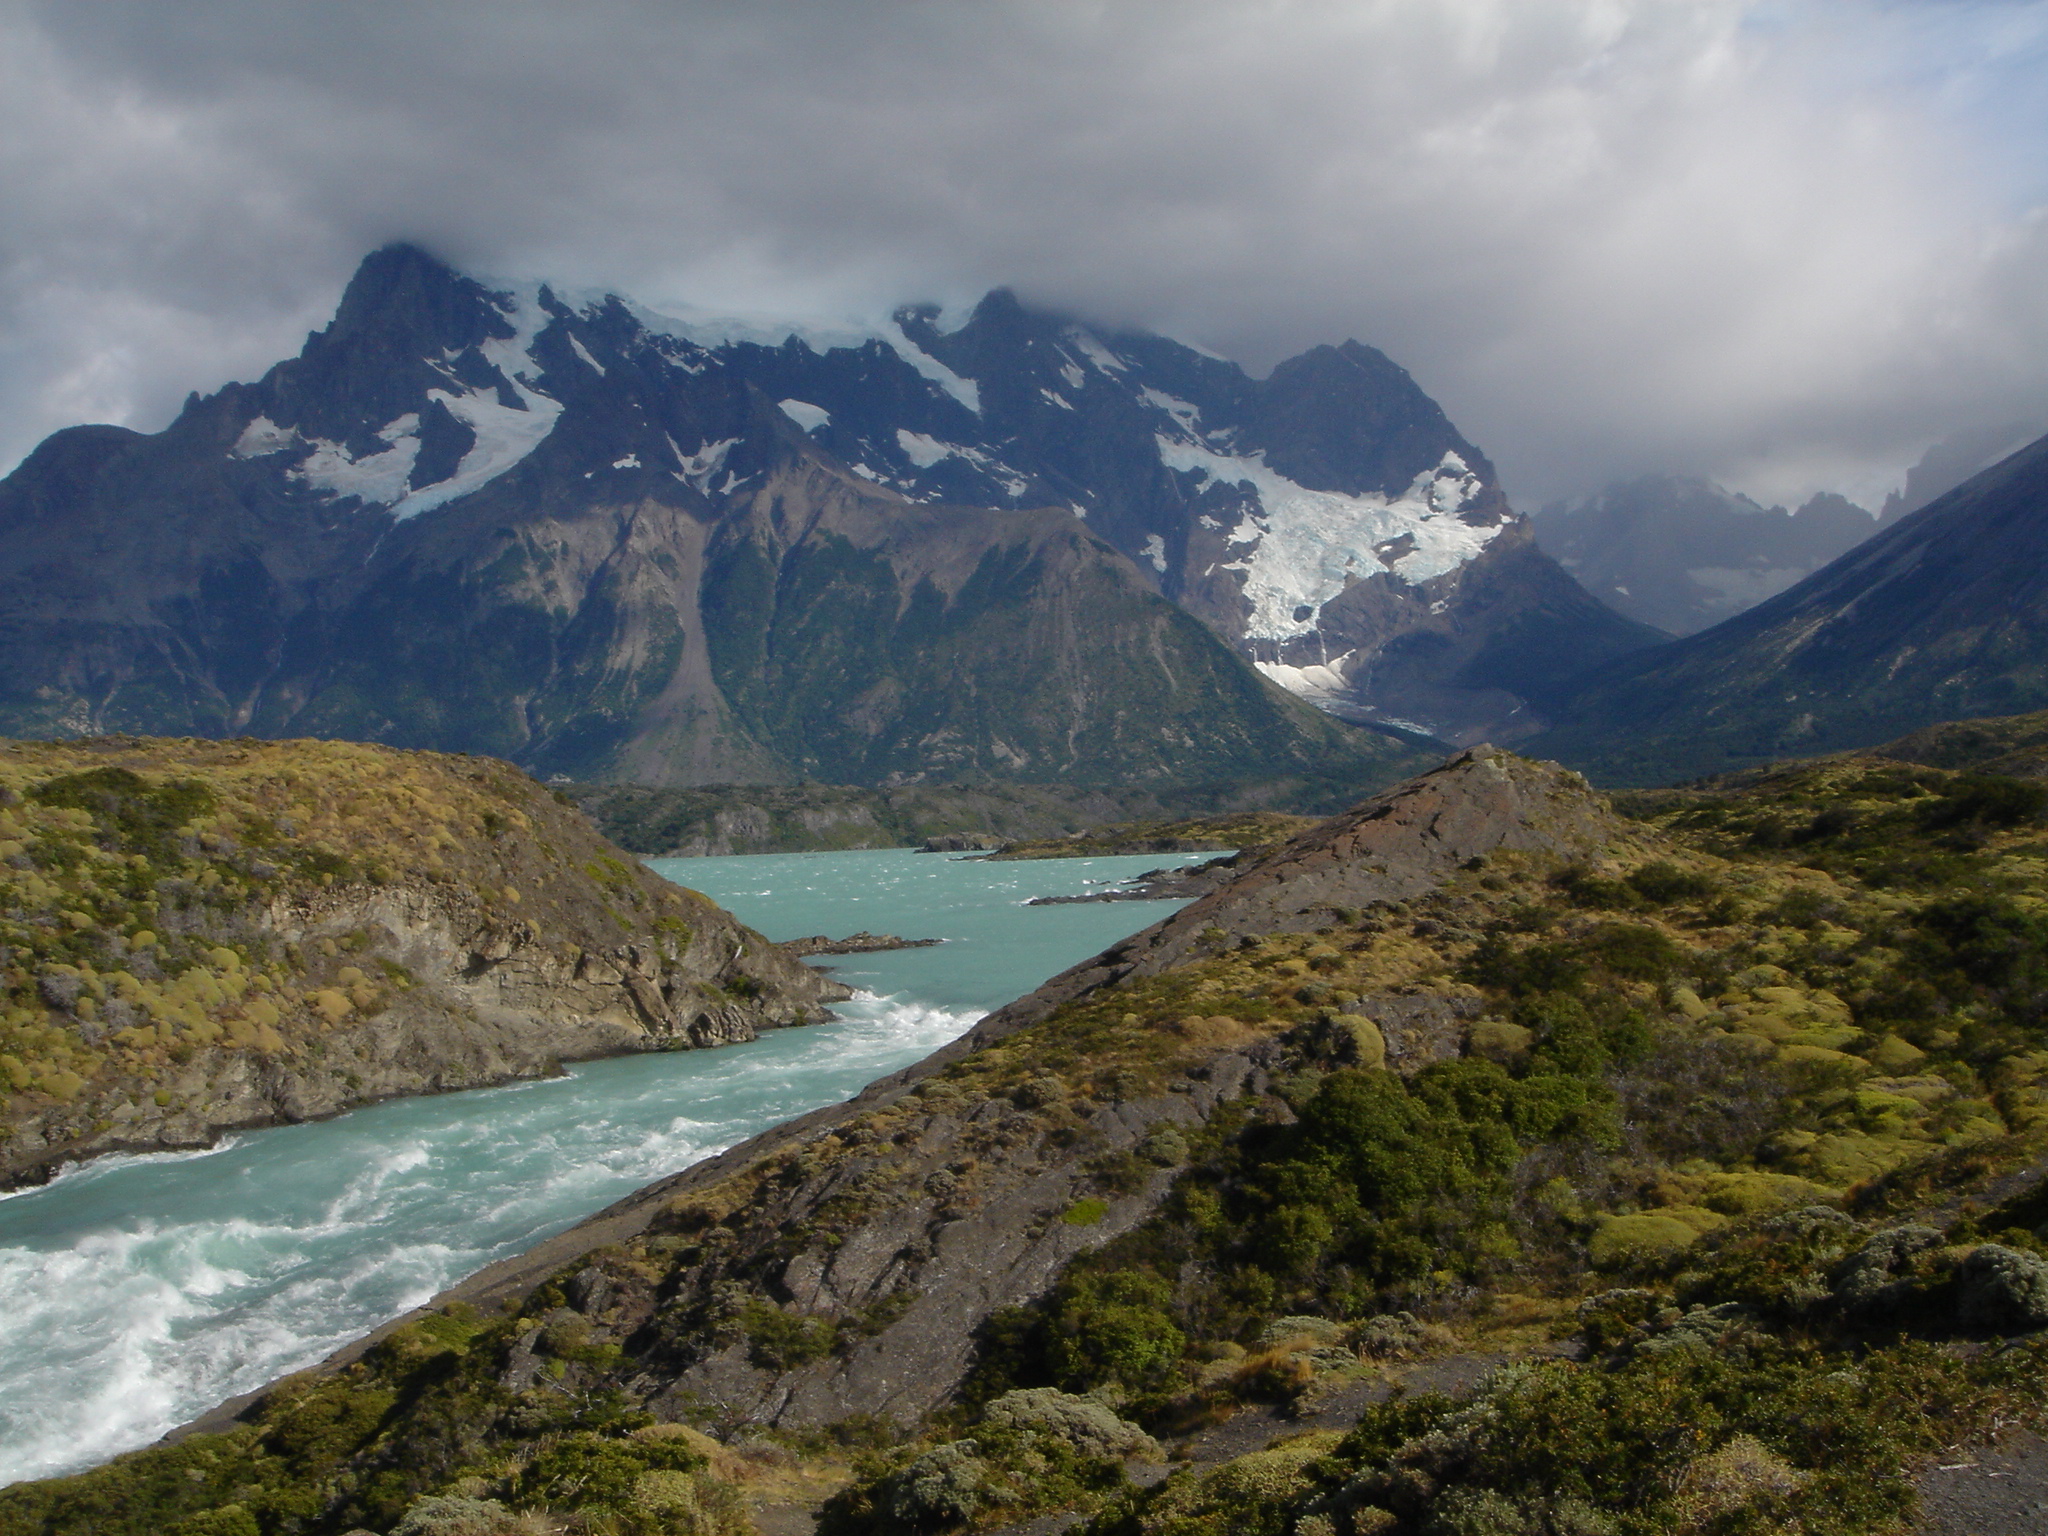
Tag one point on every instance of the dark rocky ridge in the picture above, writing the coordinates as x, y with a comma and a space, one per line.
1942, 616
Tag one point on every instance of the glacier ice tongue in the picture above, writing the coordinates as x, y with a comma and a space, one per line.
1305, 545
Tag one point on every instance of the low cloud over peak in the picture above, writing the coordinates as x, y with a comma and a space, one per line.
1783, 244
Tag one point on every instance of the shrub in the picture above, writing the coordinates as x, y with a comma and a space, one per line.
1986, 800
1113, 1328
1663, 883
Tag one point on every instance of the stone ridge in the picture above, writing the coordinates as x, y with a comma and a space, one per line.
937, 1195
203, 936
1393, 846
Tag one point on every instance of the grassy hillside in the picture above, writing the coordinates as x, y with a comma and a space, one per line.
1729, 1135
200, 934
2010, 744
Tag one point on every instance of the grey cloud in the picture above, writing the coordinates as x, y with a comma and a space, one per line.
1611, 235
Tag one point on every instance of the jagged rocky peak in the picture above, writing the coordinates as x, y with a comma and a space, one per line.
562, 528
1258, 504
1319, 519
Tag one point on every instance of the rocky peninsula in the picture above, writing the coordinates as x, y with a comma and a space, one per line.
199, 936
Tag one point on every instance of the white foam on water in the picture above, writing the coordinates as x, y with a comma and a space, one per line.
141, 1291
141, 1323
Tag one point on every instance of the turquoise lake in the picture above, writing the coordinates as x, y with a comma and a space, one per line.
138, 1292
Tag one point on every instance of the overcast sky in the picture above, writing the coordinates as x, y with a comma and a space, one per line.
1786, 244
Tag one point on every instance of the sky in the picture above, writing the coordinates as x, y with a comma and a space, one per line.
1786, 245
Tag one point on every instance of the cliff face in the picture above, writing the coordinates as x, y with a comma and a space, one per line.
199, 936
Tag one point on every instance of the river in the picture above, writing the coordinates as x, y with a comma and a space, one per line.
137, 1292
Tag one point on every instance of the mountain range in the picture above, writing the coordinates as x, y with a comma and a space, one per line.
616, 545
612, 544
1681, 553
1941, 616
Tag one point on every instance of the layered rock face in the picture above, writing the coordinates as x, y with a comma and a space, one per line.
200, 936
623, 546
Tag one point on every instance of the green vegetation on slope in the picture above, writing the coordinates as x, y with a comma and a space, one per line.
1755, 1111
174, 914
1678, 1079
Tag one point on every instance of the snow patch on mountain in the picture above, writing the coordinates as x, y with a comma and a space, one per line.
699, 467
1305, 546
1155, 551
806, 415
714, 333
1187, 416
922, 449
1097, 353
263, 437
505, 434
966, 391
1320, 683
583, 352
379, 478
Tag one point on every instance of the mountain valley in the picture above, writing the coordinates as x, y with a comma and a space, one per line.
1938, 617
1715, 1106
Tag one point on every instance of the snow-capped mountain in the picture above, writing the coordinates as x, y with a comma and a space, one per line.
609, 541
609, 545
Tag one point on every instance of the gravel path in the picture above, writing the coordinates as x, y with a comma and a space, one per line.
1998, 1490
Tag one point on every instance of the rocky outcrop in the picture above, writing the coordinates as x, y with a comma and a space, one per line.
1394, 846
288, 947
862, 943
843, 1263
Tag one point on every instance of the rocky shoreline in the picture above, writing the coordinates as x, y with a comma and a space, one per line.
213, 937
